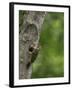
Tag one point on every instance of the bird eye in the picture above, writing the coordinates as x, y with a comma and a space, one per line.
31, 49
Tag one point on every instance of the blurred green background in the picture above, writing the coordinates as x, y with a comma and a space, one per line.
50, 60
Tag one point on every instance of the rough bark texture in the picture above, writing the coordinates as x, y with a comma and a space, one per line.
29, 33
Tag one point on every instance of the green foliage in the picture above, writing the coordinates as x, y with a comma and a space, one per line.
50, 61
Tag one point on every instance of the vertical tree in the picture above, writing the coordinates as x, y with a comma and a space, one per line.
29, 34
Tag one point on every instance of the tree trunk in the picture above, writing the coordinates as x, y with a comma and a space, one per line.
29, 33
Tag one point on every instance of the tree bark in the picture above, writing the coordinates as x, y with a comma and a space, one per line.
29, 32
